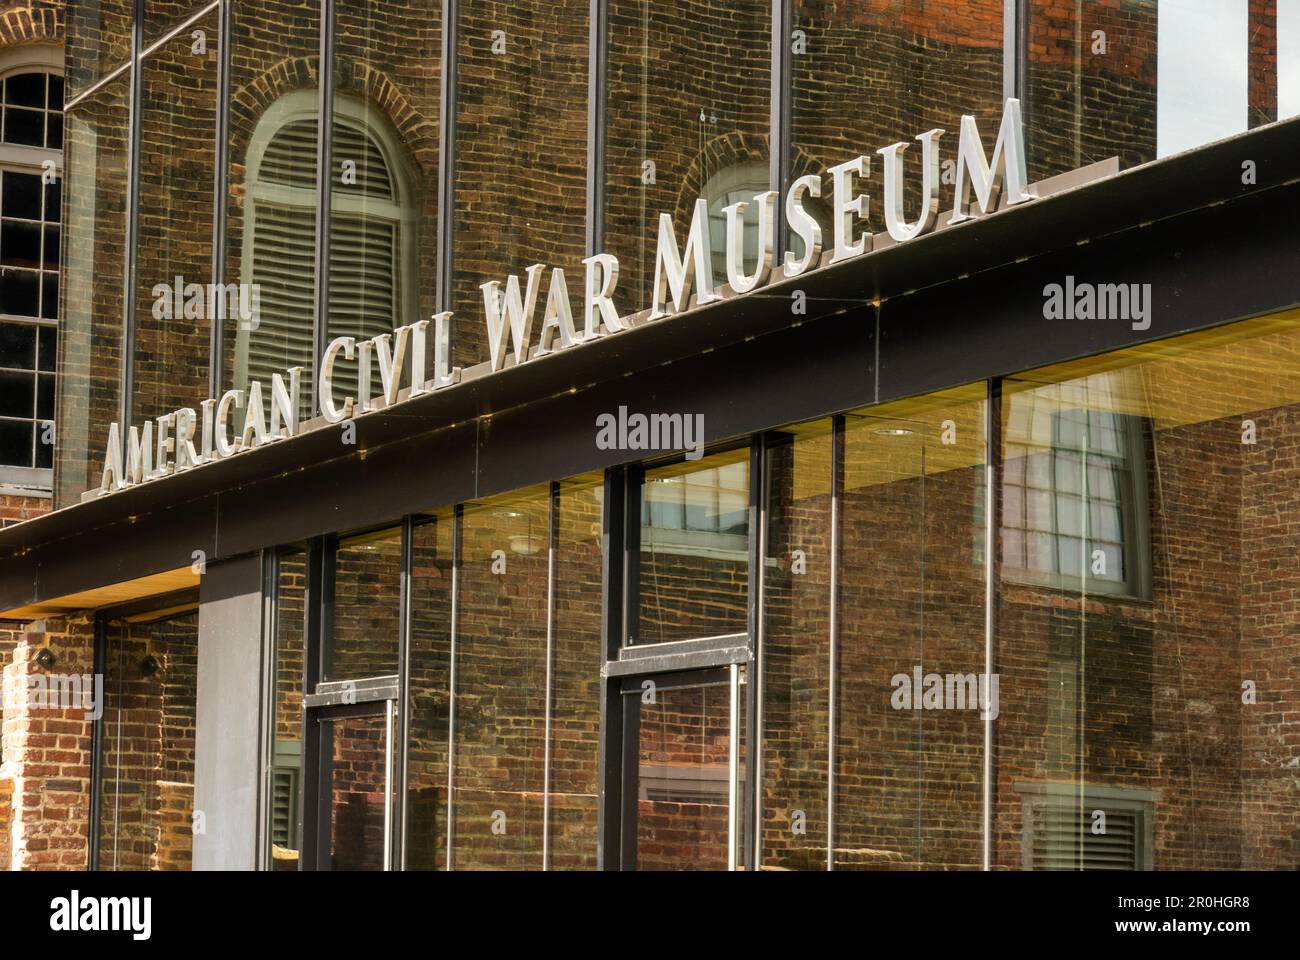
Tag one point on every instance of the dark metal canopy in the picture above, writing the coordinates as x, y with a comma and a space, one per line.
959, 305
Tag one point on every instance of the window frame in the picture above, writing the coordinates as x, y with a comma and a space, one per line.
43, 58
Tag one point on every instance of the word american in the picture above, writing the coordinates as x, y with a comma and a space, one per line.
167, 444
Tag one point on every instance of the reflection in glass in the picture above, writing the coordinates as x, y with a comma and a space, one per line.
1149, 78
694, 559
283, 830
575, 695
688, 116
1153, 711
521, 153
908, 769
366, 615
90, 341
906, 66
500, 717
384, 196
271, 211
684, 788
357, 778
796, 648
174, 244
429, 711
147, 745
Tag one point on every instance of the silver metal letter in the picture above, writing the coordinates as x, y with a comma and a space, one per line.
224, 447
847, 208
598, 297
802, 223
330, 412
519, 314
675, 273
736, 276
895, 221
988, 179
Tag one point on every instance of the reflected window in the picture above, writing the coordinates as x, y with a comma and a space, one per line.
1074, 500
31, 159
371, 247
694, 556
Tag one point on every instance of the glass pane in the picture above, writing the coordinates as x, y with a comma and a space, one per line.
1149, 78
432, 565
521, 153
577, 659
98, 40
694, 575
16, 439
688, 117
796, 645
17, 394
271, 212
286, 751
367, 610
90, 340
175, 302
910, 66
358, 786
501, 684
1145, 671
18, 345
683, 750
147, 763
384, 221
25, 90
21, 196
911, 653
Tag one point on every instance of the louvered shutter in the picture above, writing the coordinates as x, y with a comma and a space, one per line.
1063, 838
364, 251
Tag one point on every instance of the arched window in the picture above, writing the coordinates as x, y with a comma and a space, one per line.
31, 162
744, 181
371, 249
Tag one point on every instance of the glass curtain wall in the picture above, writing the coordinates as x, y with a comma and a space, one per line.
1147, 564
147, 744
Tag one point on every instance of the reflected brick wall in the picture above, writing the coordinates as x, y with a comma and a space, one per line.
148, 746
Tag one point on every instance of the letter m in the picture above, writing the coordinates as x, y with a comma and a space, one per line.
519, 312
673, 272
988, 179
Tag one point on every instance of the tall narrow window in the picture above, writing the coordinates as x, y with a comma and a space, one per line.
31, 161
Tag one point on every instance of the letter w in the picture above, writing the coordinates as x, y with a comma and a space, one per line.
520, 314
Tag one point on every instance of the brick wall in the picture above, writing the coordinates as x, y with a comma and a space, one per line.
47, 755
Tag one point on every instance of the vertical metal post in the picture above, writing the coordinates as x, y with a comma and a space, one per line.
447, 160
456, 534
992, 525
220, 185
597, 75
132, 227
388, 784
266, 704
733, 767
780, 129
837, 510
324, 189
753, 802
552, 543
100, 658
402, 708
610, 757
